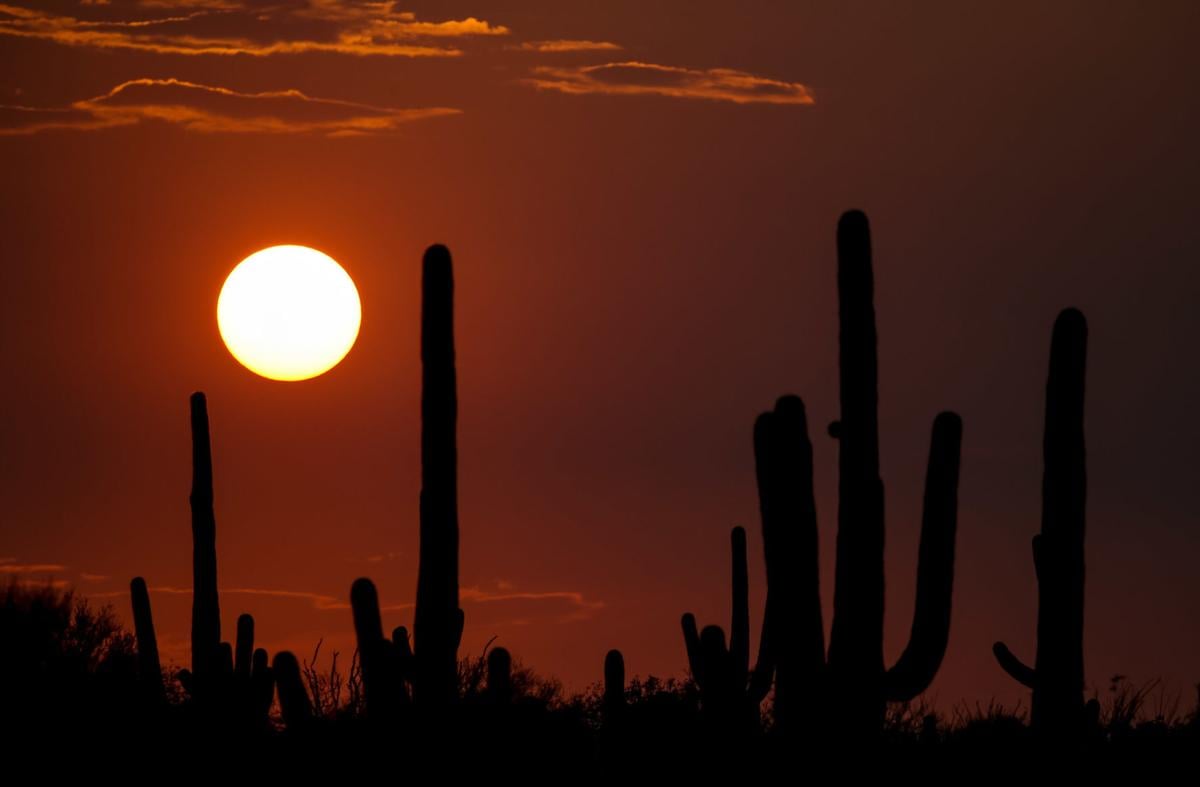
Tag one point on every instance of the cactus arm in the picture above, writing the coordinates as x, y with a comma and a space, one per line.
402, 652
224, 660
499, 676
244, 649
764, 667
1016, 669
262, 684
691, 641
364, 604
739, 631
206, 615
149, 666
614, 681
293, 699
382, 681
919, 662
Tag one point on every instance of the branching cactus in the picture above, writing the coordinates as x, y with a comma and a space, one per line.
387, 665
228, 688
851, 683
431, 667
1056, 678
438, 622
730, 693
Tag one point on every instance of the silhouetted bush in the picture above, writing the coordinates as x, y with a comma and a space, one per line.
64, 664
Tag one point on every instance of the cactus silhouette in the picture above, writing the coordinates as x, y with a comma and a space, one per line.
228, 687
206, 611
730, 692
294, 704
499, 677
1058, 555
851, 682
614, 686
438, 621
386, 665
148, 666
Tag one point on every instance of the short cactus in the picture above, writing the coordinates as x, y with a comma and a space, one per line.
614, 686
148, 666
386, 664
730, 693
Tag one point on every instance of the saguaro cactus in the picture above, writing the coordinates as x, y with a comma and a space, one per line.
1057, 675
614, 686
206, 611
386, 665
729, 692
294, 703
438, 622
239, 687
499, 677
148, 665
851, 684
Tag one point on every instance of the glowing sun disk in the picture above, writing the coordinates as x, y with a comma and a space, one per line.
289, 313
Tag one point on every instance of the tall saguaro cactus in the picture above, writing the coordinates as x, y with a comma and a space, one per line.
206, 612
1058, 555
226, 681
438, 621
851, 683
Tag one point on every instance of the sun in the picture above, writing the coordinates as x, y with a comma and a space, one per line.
289, 313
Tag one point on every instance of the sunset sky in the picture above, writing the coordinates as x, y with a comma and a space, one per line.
641, 200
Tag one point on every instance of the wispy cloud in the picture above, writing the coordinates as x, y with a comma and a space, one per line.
577, 605
637, 78
209, 109
566, 45
220, 5
86, 577
222, 27
12, 567
318, 600
563, 606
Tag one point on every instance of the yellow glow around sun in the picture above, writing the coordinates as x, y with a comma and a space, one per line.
289, 313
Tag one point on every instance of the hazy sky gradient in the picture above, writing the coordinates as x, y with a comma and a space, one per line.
645, 261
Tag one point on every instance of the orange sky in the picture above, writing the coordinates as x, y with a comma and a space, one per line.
641, 200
